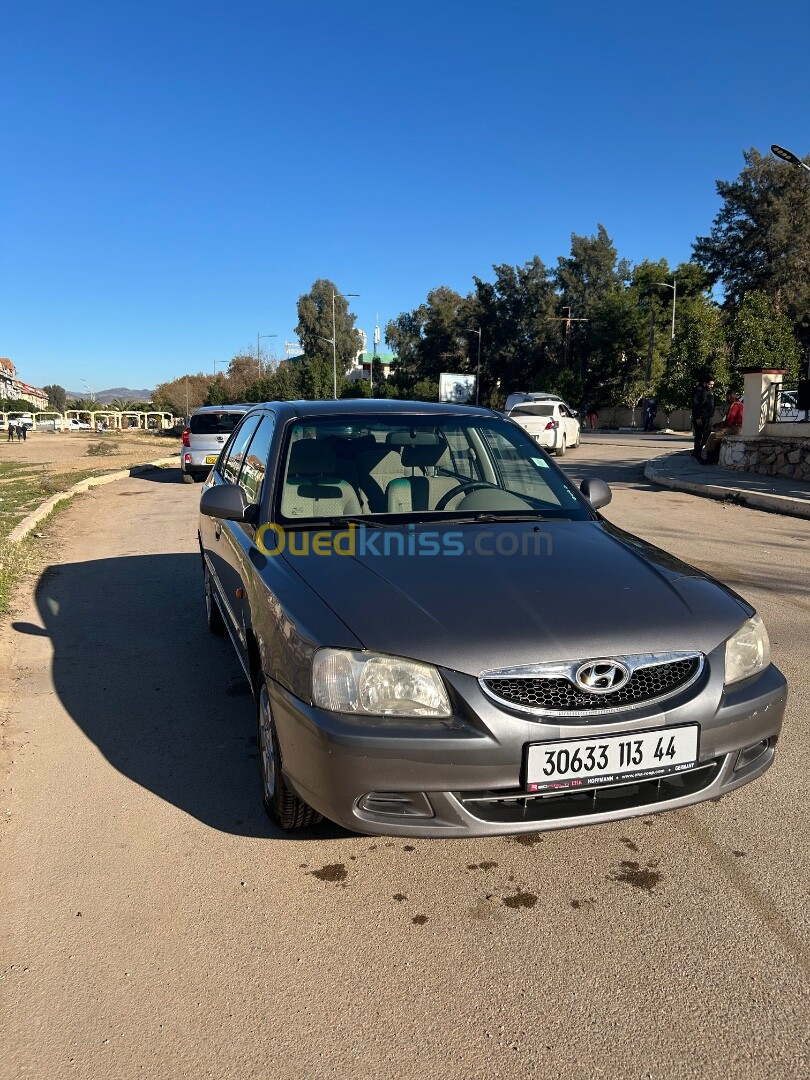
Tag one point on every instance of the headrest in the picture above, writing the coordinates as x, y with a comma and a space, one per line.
411, 438
421, 456
311, 457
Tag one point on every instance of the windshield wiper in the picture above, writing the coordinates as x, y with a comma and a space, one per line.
492, 519
345, 522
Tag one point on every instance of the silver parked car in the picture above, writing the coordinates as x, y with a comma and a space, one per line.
209, 429
405, 587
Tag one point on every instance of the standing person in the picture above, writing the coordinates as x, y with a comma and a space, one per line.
12, 424
702, 413
22, 430
650, 413
592, 416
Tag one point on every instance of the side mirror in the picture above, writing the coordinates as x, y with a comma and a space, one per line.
228, 502
596, 492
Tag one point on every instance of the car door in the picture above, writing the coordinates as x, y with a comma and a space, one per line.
246, 466
214, 532
570, 424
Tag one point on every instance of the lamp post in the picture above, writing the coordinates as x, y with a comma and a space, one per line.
789, 157
472, 330
333, 339
674, 287
258, 354
219, 362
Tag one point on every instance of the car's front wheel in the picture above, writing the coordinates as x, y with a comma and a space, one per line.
282, 805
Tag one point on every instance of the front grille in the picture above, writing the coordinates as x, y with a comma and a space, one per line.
516, 805
561, 695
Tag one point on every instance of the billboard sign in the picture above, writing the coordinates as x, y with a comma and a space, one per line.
457, 389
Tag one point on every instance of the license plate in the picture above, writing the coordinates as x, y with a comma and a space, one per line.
573, 764
211, 459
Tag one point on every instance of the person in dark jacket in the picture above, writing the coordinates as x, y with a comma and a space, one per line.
702, 413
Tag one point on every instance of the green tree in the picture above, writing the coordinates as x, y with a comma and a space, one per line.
699, 349
217, 392
760, 238
314, 330
762, 335
183, 395
428, 340
57, 397
584, 278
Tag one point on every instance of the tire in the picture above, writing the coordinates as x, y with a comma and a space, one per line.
283, 806
213, 616
579, 436
187, 477
560, 451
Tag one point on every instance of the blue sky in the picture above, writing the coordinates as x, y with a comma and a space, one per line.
176, 173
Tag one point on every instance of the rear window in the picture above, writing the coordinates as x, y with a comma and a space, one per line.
214, 423
532, 410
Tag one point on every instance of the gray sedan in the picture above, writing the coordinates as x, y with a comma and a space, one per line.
445, 638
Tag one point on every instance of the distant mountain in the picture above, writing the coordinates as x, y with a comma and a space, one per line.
106, 396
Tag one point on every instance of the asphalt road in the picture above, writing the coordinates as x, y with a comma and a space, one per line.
156, 925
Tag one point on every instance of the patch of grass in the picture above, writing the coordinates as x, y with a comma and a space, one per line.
17, 560
100, 448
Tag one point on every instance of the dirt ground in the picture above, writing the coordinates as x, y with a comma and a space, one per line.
66, 452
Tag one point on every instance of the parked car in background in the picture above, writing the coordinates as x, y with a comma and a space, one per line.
76, 425
209, 429
445, 638
789, 405
549, 421
24, 418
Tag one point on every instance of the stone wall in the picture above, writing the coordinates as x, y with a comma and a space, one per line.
770, 456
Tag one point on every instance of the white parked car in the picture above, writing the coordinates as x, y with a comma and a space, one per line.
78, 425
549, 421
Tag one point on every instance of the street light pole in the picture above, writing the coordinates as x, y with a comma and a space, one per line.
258, 353
789, 157
674, 287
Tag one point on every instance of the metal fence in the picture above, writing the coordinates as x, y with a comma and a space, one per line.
781, 404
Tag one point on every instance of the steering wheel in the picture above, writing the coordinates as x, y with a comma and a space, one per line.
467, 486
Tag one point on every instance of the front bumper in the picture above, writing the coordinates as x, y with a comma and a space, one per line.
462, 776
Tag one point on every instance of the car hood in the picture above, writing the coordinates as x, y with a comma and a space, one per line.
573, 589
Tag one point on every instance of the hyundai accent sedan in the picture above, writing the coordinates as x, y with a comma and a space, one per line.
445, 637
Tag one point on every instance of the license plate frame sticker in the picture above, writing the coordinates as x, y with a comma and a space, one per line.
591, 761
211, 459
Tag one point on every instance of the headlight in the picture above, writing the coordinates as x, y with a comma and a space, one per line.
748, 651
356, 682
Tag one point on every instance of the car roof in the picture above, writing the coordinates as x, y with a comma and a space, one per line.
373, 407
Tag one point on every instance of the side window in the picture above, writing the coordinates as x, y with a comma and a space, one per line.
254, 465
234, 453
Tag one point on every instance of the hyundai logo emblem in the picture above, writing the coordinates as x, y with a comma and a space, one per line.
601, 676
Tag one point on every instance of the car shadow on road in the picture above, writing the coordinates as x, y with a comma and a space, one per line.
164, 701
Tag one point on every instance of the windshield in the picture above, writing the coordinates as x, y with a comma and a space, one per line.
419, 468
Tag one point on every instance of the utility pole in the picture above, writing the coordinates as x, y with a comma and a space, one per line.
374, 353
567, 319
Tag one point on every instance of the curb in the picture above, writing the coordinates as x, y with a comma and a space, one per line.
19, 532
755, 500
